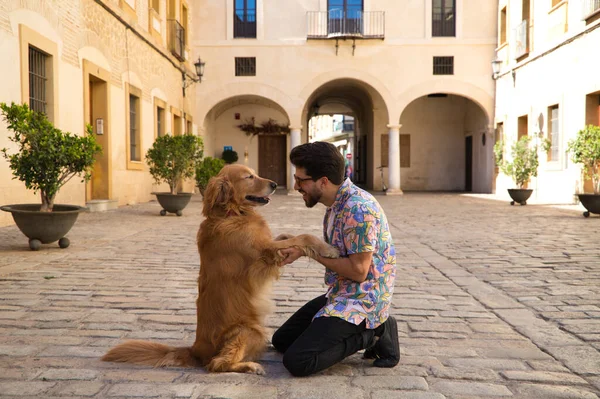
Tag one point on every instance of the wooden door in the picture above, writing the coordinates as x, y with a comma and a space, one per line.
469, 163
272, 158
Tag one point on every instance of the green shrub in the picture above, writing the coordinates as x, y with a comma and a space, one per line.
585, 149
172, 158
524, 162
229, 156
206, 169
47, 157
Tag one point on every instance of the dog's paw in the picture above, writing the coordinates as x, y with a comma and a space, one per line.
284, 236
327, 251
254, 368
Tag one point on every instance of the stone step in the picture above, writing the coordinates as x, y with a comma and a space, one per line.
102, 205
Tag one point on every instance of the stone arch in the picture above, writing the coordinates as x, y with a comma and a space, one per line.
40, 8
94, 48
208, 101
95, 55
373, 85
484, 100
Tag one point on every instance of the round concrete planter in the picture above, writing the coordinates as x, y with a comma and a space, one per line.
591, 202
44, 227
173, 203
519, 195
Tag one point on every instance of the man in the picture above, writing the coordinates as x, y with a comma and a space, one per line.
353, 315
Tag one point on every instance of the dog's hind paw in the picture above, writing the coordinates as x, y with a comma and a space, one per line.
329, 252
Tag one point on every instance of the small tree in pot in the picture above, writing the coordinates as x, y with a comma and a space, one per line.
585, 149
171, 159
206, 169
523, 165
46, 159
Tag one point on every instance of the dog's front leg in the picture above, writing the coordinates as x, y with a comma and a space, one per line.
309, 244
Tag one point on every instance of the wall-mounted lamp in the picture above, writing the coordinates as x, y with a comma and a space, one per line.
496, 65
186, 82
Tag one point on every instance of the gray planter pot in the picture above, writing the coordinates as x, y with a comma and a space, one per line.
44, 227
591, 202
519, 195
173, 203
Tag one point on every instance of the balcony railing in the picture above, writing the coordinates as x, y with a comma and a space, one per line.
176, 39
245, 27
589, 8
521, 46
338, 24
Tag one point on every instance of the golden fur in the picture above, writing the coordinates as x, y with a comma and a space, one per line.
239, 260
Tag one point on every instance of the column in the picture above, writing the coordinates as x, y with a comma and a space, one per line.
394, 161
295, 134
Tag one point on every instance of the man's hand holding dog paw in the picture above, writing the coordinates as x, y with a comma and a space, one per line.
291, 255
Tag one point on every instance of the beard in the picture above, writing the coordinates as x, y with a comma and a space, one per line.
311, 199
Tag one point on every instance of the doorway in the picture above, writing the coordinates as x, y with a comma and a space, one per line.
272, 158
469, 163
96, 113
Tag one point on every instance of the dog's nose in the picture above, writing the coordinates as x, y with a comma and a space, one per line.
273, 185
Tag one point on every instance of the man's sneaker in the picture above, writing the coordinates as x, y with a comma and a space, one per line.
386, 350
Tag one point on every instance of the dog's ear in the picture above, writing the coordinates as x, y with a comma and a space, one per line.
218, 193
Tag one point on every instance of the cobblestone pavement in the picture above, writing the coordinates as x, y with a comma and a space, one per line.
491, 301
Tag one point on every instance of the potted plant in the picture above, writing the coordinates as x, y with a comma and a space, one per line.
206, 169
46, 159
524, 164
229, 156
585, 148
171, 159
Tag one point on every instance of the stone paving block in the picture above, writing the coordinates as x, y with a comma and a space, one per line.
14, 350
384, 394
543, 376
465, 373
553, 392
477, 389
319, 387
492, 364
152, 390
85, 389
580, 359
67, 374
235, 392
399, 382
24, 388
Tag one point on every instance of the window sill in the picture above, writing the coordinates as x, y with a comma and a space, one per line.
556, 7
502, 45
135, 165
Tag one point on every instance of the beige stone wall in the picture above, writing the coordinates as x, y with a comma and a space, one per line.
84, 30
560, 69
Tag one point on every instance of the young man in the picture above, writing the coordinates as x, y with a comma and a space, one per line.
353, 314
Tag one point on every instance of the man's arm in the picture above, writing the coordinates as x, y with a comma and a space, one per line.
354, 267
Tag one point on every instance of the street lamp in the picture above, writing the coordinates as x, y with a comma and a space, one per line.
199, 66
496, 65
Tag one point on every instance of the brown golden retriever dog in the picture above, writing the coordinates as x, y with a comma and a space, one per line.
239, 260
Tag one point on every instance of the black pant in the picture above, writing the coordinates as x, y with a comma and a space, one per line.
311, 346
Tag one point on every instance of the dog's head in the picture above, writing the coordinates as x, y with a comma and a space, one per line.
235, 189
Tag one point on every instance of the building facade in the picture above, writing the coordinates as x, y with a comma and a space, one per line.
119, 65
548, 86
414, 75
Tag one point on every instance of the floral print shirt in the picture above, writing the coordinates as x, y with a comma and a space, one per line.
355, 223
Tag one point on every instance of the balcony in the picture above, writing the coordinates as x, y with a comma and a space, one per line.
521, 44
337, 24
589, 8
176, 39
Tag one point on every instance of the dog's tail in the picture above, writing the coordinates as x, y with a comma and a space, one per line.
151, 354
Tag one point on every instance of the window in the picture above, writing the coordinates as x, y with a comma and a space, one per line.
553, 133
443, 21
443, 65
184, 23
345, 16
176, 122
39, 72
555, 2
244, 19
245, 66
159, 117
38, 80
134, 127
502, 30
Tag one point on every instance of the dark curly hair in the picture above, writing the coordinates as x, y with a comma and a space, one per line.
319, 159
